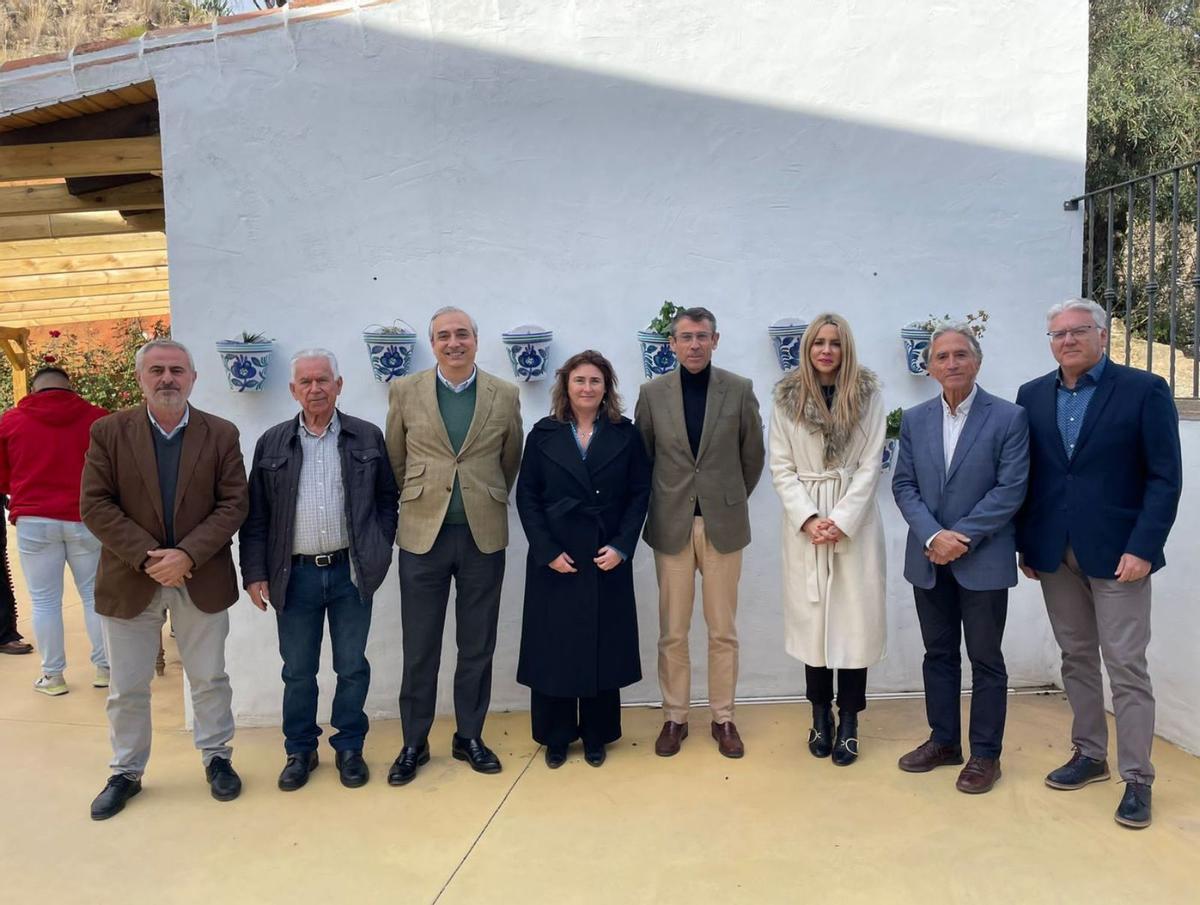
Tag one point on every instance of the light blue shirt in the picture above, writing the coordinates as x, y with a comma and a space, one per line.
457, 387
1072, 404
187, 411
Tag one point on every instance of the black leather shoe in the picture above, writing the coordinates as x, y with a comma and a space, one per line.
820, 736
111, 801
226, 785
845, 746
1078, 772
295, 772
352, 769
1134, 809
594, 756
404, 768
481, 758
555, 756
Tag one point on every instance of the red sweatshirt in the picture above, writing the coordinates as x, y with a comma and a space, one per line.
42, 444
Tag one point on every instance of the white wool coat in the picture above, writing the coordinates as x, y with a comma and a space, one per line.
833, 595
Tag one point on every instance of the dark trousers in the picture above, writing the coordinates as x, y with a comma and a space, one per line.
559, 721
424, 594
313, 594
851, 687
8, 600
949, 612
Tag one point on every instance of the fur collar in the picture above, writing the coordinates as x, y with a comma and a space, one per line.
816, 417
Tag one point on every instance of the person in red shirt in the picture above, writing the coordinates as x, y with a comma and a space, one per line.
42, 444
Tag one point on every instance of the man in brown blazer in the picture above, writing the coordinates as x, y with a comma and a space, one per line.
454, 440
164, 490
704, 434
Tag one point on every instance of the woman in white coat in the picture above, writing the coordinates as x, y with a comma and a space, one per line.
826, 445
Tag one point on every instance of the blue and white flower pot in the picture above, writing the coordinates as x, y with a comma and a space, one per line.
528, 351
390, 351
657, 357
786, 334
245, 364
916, 347
891, 446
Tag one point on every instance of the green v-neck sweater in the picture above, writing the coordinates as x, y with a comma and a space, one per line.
457, 411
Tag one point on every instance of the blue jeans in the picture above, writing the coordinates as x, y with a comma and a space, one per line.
312, 593
45, 546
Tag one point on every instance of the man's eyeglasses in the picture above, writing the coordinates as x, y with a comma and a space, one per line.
1057, 336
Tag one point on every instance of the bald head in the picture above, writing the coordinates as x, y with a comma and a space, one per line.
50, 379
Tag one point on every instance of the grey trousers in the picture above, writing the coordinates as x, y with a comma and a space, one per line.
1094, 616
132, 650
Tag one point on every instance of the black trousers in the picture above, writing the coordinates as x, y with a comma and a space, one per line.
851, 687
8, 600
424, 595
559, 721
949, 612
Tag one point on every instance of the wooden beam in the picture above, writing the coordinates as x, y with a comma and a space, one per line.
80, 315
68, 293
125, 121
105, 157
81, 263
89, 278
57, 199
14, 311
88, 223
82, 245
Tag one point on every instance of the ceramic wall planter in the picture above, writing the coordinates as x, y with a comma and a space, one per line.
390, 350
657, 357
245, 364
786, 334
528, 348
916, 345
891, 446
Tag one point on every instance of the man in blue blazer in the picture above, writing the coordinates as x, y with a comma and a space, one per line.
960, 478
1105, 478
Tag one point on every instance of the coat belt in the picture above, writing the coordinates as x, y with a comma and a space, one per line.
825, 488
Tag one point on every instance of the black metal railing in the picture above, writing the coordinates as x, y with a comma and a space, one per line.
1151, 286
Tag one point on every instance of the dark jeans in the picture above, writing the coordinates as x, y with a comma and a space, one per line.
949, 612
312, 593
851, 687
8, 600
424, 594
559, 721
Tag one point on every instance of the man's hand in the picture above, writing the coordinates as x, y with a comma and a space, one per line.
608, 558
259, 596
1132, 568
1028, 572
169, 566
947, 546
563, 563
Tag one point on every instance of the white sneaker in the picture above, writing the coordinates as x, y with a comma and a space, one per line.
101, 679
51, 685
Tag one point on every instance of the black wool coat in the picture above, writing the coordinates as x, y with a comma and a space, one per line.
579, 631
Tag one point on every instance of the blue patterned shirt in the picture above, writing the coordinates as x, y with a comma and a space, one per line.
1071, 404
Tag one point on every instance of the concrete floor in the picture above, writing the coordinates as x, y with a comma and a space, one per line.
777, 826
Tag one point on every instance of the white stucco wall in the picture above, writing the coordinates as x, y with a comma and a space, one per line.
576, 164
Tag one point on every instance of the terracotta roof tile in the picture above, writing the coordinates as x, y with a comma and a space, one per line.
93, 46
244, 17
33, 61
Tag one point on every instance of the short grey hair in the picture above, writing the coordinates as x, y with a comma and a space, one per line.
450, 309
140, 355
316, 353
963, 330
696, 314
1099, 315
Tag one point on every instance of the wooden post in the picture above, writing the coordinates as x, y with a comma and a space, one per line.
14, 341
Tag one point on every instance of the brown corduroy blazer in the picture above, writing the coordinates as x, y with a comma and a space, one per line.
121, 504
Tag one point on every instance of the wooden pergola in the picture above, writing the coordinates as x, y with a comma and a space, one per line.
82, 230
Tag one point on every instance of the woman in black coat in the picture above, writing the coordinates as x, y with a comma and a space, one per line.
582, 497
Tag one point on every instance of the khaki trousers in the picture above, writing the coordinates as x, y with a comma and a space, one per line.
719, 574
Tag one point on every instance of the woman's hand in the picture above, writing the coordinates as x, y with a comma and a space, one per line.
822, 530
608, 558
563, 563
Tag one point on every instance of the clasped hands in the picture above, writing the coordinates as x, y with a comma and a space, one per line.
947, 546
169, 566
822, 530
607, 560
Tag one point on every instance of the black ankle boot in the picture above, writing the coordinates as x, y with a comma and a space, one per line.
845, 749
820, 736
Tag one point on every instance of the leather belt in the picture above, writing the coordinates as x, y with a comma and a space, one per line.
321, 560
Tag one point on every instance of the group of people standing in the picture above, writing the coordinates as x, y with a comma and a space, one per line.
978, 479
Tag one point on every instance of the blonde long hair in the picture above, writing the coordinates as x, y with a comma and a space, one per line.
849, 406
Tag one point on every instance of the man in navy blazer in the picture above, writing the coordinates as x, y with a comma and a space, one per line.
1105, 478
959, 481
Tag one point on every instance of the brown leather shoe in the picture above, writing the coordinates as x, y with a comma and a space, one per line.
929, 755
729, 742
670, 739
979, 775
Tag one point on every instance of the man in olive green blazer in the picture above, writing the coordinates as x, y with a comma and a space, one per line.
454, 438
703, 431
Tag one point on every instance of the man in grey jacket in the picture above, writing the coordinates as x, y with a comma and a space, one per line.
960, 479
317, 544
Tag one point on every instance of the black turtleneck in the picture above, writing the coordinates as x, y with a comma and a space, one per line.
827, 392
695, 398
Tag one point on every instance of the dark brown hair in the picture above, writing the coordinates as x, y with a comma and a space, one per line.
560, 402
